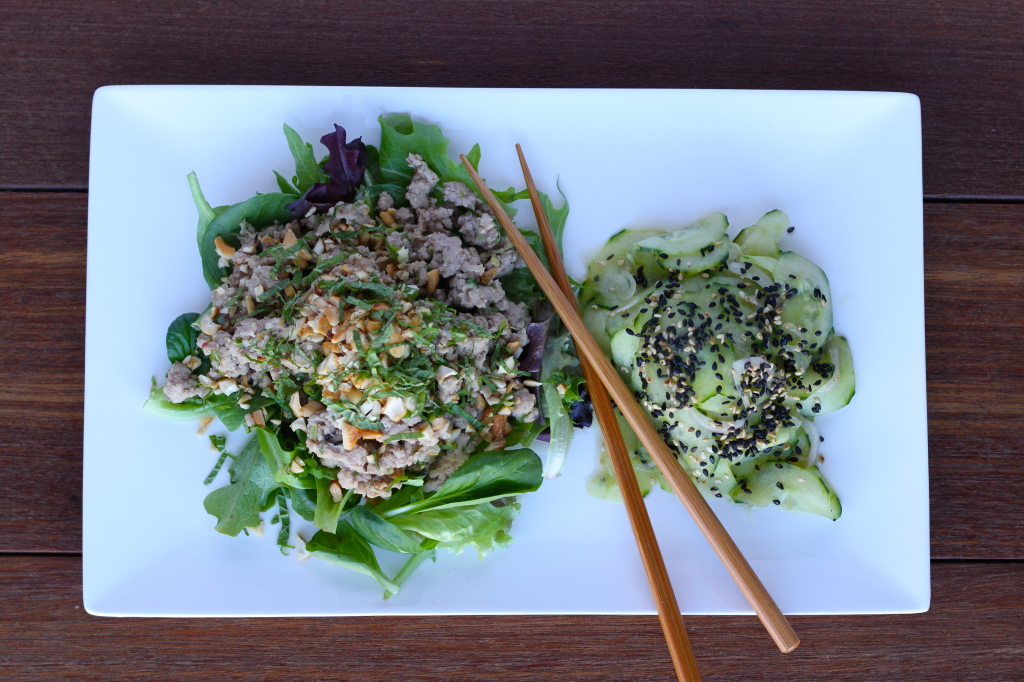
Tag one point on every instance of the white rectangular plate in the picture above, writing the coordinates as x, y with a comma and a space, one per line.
845, 166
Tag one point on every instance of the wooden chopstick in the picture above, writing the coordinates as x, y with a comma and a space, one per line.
713, 530
647, 543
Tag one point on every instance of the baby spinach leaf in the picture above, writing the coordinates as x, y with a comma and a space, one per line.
382, 533
307, 170
483, 526
237, 505
260, 211
483, 478
304, 502
346, 548
181, 338
327, 510
206, 212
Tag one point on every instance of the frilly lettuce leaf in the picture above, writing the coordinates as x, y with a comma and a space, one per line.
484, 526
237, 505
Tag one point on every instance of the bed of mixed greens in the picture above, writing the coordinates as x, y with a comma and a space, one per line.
338, 200
729, 346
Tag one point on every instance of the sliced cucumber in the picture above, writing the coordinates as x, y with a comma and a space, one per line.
624, 348
763, 262
762, 238
790, 487
602, 483
707, 235
838, 390
595, 319
809, 311
610, 280
610, 285
618, 245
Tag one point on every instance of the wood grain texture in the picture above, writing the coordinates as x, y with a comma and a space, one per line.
974, 631
42, 356
965, 61
974, 261
974, 281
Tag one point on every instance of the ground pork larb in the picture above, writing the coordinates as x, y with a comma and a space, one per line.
386, 332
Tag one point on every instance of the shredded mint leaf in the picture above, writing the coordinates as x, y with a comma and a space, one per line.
218, 443
237, 505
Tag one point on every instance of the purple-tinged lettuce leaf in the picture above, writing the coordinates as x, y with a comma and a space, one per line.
346, 166
537, 333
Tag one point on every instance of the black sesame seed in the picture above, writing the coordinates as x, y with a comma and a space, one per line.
778, 484
776, 501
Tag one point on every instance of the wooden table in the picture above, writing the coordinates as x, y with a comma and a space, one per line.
965, 61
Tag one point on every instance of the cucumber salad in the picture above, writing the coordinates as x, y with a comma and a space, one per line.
729, 346
379, 337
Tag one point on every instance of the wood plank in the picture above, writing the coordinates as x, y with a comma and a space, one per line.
975, 628
42, 356
965, 60
974, 260
974, 276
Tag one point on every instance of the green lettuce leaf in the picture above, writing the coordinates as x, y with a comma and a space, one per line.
237, 505
483, 526
401, 136
346, 548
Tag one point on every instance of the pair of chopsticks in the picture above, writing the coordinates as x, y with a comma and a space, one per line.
602, 380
